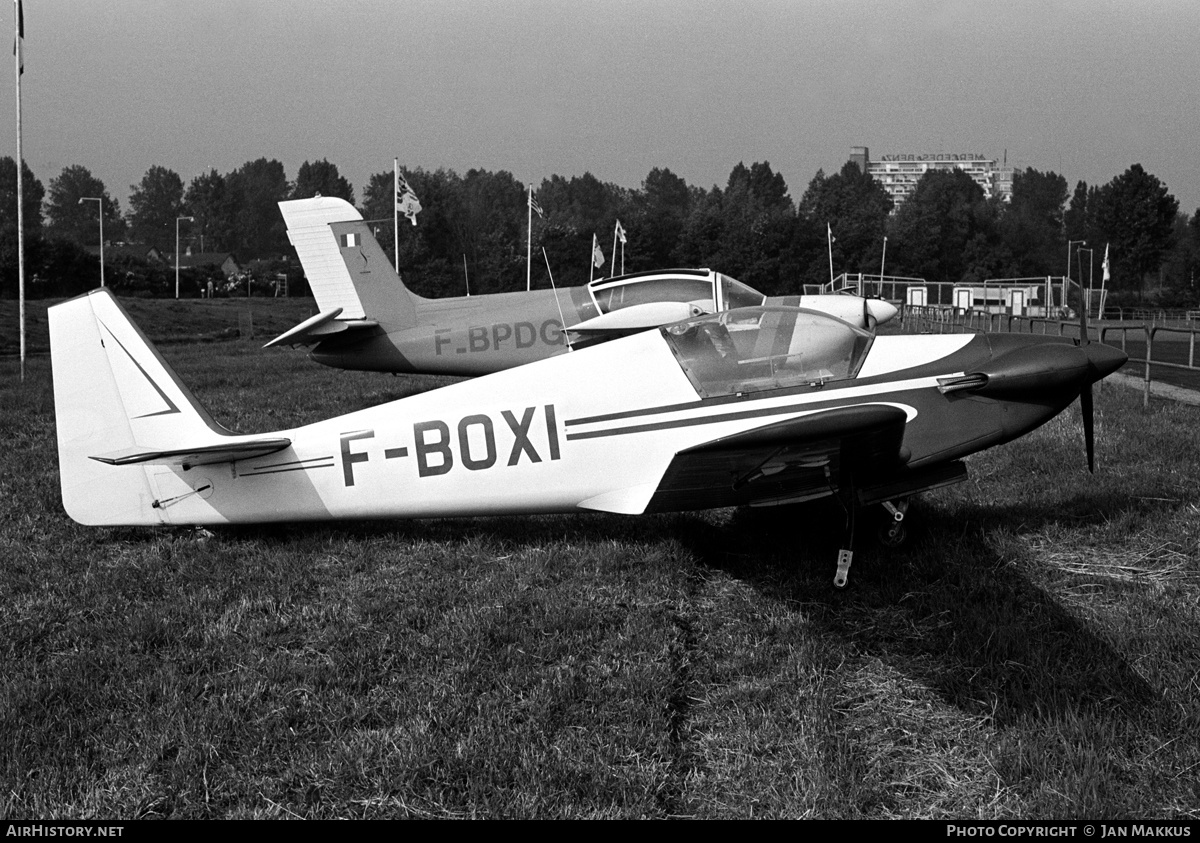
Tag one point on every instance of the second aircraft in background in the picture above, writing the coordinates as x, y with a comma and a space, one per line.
369, 320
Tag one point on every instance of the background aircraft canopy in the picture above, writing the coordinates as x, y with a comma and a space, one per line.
759, 348
710, 291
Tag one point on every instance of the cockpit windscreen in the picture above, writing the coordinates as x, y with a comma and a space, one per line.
759, 348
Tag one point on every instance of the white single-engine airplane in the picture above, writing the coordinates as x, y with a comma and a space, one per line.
369, 320
759, 406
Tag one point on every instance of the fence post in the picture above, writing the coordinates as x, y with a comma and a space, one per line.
1149, 356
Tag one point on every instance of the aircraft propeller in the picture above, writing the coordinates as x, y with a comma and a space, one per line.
1102, 360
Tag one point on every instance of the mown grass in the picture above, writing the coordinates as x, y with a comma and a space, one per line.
1031, 652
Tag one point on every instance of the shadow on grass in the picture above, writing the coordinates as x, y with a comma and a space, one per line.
946, 608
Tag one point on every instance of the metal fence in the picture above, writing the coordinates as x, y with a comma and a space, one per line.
1166, 352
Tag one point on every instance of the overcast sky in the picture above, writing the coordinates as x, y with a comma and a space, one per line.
614, 87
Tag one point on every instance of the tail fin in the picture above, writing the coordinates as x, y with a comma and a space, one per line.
119, 407
344, 264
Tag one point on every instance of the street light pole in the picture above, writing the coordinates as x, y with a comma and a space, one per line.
99, 199
1066, 282
882, 261
177, 219
1088, 303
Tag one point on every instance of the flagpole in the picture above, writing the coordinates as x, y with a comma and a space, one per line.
529, 238
592, 260
396, 211
614, 248
18, 59
829, 243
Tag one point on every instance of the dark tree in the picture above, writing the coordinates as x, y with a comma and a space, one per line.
1135, 215
209, 201
154, 206
655, 221
32, 207
72, 218
490, 230
1181, 264
321, 178
856, 208
1032, 224
256, 189
931, 231
577, 209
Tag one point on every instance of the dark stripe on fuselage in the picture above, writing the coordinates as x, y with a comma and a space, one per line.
977, 351
293, 465
763, 412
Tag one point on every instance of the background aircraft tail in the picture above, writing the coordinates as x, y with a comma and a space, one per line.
345, 267
115, 400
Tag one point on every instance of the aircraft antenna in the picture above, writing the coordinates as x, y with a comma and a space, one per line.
562, 320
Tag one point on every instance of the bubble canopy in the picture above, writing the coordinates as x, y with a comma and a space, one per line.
753, 349
709, 291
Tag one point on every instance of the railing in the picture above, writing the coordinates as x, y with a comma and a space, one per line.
1175, 346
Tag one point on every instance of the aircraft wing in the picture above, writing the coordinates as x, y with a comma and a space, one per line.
859, 447
200, 455
639, 317
785, 462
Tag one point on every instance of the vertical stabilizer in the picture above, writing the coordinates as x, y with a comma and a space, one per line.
307, 223
344, 264
114, 393
383, 295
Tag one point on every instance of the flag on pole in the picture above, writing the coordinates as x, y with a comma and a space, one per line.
406, 201
535, 207
829, 232
1106, 277
19, 41
620, 232
597, 255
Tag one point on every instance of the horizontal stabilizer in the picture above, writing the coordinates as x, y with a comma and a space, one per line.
310, 329
319, 327
188, 457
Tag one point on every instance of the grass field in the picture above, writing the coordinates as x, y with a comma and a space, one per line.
1032, 652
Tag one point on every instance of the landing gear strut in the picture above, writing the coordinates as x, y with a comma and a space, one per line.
891, 534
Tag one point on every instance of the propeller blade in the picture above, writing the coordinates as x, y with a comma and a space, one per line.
1089, 428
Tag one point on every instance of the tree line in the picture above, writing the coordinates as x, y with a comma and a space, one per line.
474, 225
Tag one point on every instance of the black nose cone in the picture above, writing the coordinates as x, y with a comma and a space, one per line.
1103, 360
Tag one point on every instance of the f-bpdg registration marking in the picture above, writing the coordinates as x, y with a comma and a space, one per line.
473, 444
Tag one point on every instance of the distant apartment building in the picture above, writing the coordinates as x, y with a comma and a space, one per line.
900, 173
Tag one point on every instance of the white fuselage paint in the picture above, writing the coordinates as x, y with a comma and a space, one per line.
485, 434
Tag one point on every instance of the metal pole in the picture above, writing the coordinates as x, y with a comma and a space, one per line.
18, 69
528, 239
396, 211
882, 261
177, 220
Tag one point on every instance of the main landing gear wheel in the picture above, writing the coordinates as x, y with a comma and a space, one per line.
892, 532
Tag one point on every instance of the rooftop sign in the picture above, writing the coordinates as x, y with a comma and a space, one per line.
936, 156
